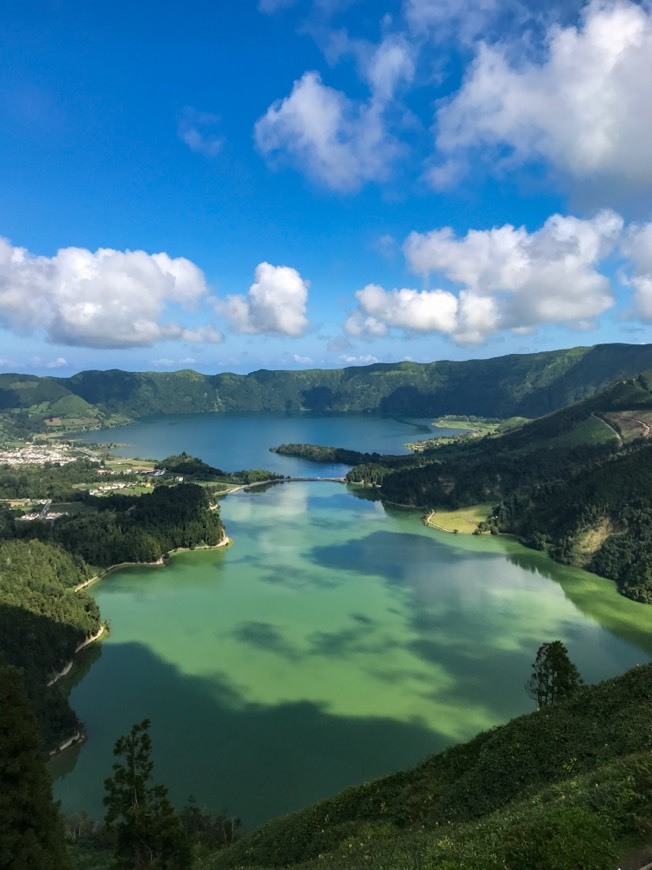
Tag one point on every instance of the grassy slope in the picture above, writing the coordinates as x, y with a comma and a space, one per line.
577, 771
464, 520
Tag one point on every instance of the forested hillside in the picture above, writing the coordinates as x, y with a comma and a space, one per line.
527, 385
42, 622
600, 519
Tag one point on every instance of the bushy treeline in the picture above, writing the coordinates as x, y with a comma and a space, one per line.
141, 528
565, 787
197, 469
340, 455
186, 465
49, 481
483, 470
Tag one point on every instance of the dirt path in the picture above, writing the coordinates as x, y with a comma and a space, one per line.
609, 426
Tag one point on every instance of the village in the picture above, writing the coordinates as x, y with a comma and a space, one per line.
38, 454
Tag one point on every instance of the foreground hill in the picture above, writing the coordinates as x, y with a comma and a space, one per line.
567, 787
527, 385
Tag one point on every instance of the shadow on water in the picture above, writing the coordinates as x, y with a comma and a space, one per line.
375, 555
258, 761
267, 638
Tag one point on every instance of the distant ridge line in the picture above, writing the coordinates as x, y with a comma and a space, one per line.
528, 385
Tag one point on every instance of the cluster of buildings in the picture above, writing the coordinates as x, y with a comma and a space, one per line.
35, 454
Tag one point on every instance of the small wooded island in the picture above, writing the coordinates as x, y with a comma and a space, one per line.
571, 780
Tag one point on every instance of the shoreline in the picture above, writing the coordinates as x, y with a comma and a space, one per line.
68, 667
225, 542
80, 735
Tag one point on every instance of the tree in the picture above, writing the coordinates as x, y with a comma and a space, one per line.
554, 676
148, 832
31, 830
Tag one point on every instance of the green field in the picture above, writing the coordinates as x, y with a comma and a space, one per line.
464, 520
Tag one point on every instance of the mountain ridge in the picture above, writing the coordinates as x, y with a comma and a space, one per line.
527, 385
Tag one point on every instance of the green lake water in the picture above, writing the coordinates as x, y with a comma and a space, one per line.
335, 641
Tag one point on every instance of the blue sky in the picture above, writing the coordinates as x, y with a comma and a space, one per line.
317, 183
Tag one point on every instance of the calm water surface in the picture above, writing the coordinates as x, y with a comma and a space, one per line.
236, 441
333, 642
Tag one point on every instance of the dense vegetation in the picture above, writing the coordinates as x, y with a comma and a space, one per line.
191, 466
31, 832
42, 619
340, 455
600, 519
42, 622
196, 469
53, 481
139, 528
526, 385
562, 788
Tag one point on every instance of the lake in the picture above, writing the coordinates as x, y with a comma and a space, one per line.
236, 441
336, 640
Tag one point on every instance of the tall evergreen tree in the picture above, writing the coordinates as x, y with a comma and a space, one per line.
31, 830
554, 676
148, 832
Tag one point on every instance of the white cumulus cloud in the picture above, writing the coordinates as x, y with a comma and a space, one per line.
378, 309
338, 142
584, 107
391, 64
100, 299
363, 360
275, 304
505, 278
514, 279
58, 363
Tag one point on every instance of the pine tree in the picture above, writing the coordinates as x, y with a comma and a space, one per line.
554, 676
148, 832
31, 830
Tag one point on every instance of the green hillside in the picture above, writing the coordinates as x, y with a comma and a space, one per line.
527, 385
567, 787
